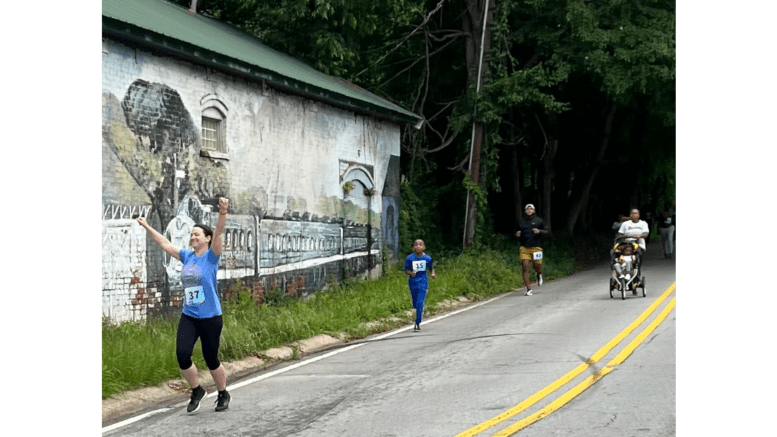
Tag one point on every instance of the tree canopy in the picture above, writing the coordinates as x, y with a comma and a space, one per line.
576, 103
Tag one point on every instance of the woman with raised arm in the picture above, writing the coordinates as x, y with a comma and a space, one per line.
201, 316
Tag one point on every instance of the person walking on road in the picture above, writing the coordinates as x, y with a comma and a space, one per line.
201, 316
530, 228
666, 228
416, 266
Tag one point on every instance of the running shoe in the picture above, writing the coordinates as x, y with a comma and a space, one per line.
528, 293
222, 402
539, 280
197, 394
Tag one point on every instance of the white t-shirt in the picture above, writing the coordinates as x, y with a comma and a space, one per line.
630, 228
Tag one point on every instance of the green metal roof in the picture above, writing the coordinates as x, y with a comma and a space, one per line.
171, 29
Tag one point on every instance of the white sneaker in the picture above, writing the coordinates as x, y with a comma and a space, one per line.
628, 276
528, 293
539, 280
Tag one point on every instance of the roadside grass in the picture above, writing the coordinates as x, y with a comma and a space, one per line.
135, 355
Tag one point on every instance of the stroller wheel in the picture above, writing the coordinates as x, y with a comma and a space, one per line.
612, 286
623, 289
642, 281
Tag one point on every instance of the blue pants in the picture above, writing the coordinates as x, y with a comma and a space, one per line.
667, 235
418, 297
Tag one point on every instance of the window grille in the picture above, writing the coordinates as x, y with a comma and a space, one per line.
213, 135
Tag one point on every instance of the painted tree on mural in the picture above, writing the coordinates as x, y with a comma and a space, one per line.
155, 138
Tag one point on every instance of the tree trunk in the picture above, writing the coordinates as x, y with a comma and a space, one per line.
548, 174
469, 232
473, 25
516, 169
582, 200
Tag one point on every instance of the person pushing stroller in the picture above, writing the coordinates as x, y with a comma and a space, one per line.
634, 229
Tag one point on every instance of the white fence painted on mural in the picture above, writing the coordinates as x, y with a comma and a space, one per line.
124, 268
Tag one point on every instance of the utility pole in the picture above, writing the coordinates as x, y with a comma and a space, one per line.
470, 217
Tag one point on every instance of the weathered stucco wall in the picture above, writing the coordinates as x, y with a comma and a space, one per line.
293, 222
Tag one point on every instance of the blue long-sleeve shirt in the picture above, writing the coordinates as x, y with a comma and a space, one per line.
420, 265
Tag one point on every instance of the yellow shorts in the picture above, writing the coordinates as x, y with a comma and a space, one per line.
527, 253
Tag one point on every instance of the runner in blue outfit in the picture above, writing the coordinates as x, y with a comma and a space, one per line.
416, 266
201, 317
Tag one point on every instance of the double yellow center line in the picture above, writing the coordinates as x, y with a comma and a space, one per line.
591, 380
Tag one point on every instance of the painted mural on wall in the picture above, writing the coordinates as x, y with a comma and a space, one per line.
238, 257
311, 252
391, 199
154, 137
124, 266
155, 142
390, 225
285, 242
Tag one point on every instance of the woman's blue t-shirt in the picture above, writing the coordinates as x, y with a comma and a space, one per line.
198, 277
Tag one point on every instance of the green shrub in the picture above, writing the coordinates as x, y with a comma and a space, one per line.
278, 298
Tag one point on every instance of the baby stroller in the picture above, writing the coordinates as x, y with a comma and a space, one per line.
628, 279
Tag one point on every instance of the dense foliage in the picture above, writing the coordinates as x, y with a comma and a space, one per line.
577, 102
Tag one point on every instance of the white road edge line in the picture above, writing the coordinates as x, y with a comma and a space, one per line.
300, 364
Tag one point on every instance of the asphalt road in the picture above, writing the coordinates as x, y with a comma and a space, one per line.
466, 368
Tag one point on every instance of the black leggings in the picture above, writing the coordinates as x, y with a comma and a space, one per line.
208, 330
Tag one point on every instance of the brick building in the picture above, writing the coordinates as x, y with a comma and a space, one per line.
193, 110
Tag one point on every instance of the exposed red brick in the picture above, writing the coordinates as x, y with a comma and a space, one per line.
258, 293
140, 297
295, 285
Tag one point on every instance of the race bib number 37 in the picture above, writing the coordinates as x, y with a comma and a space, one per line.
419, 266
194, 295
537, 256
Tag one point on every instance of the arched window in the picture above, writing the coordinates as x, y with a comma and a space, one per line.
213, 124
359, 185
214, 127
356, 194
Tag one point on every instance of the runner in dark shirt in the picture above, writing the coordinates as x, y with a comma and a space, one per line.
530, 229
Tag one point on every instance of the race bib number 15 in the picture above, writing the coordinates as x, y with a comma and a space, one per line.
194, 295
419, 266
537, 256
